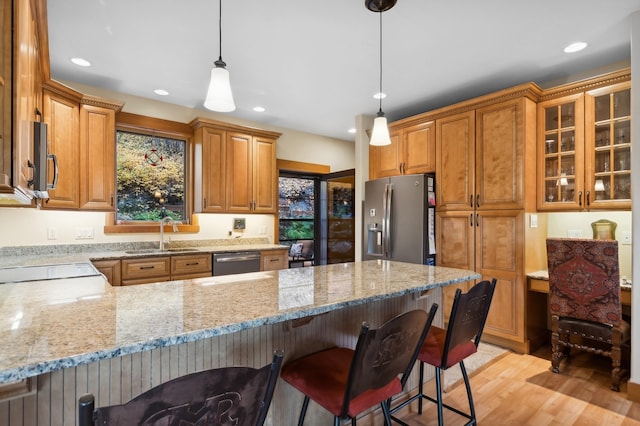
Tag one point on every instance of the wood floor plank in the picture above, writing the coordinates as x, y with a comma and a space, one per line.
522, 390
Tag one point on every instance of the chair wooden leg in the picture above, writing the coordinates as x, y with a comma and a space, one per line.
616, 370
472, 410
439, 397
303, 411
557, 352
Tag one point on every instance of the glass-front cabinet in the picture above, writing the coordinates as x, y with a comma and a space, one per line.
584, 150
608, 114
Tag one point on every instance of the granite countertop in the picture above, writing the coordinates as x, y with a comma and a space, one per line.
57, 324
76, 253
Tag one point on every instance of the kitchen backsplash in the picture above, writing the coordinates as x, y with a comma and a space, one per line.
30, 227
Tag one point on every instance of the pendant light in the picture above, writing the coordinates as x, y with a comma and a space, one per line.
380, 133
219, 97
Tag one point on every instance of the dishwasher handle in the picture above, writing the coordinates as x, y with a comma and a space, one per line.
236, 258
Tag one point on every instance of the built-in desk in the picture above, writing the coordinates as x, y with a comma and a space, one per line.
538, 317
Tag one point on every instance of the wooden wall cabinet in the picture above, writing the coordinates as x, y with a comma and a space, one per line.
486, 183
412, 150
238, 168
82, 136
97, 168
61, 112
584, 145
21, 76
273, 260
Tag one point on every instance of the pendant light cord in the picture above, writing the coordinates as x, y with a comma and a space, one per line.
220, 30
380, 94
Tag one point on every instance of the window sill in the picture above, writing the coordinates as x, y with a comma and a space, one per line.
148, 227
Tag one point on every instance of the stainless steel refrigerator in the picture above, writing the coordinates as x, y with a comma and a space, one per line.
399, 219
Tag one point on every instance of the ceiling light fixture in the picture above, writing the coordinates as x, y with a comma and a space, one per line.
380, 133
161, 92
259, 109
219, 97
81, 62
575, 47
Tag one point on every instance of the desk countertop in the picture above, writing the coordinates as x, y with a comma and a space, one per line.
57, 324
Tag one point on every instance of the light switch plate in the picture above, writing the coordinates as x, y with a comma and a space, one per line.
626, 237
533, 221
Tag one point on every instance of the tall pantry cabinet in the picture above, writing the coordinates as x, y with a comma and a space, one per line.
486, 185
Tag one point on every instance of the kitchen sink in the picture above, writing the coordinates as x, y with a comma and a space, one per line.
154, 251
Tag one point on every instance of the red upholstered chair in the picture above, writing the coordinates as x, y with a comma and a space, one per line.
584, 295
224, 396
347, 382
446, 348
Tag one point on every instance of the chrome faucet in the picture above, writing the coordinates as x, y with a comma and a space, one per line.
169, 220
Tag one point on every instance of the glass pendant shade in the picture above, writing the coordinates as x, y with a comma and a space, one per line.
219, 97
380, 134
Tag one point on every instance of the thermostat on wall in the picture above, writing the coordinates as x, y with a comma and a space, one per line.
238, 224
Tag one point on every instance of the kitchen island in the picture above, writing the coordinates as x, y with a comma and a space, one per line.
83, 335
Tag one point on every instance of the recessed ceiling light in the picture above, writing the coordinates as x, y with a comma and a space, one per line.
575, 47
352, 130
379, 95
81, 62
161, 92
259, 109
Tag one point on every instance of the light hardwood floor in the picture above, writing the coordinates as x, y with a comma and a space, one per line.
521, 390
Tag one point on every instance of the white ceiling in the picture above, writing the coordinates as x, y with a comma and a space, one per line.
314, 64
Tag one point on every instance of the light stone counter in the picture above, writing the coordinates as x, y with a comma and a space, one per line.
52, 325
77, 253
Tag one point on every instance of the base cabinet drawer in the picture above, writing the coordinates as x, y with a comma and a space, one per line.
273, 260
190, 266
146, 270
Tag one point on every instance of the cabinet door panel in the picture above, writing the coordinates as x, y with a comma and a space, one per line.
499, 238
213, 170
239, 173
97, 158
500, 156
385, 160
265, 179
62, 117
455, 249
419, 148
455, 138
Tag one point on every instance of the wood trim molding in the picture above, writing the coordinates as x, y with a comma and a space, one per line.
633, 391
298, 166
205, 122
129, 121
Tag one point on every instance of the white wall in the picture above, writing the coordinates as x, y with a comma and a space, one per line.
26, 227
559, 225
20, 226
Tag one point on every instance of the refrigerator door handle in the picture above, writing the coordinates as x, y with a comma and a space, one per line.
389, 202
384, 220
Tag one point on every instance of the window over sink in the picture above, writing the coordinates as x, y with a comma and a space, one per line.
150, 177
154, 175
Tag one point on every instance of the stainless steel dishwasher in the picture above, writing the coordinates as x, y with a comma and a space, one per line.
235, 263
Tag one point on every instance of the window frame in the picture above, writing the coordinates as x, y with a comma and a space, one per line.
135, 123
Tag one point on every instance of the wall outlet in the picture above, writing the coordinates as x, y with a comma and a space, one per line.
574, 233
84, 233
52, 233
626, 237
